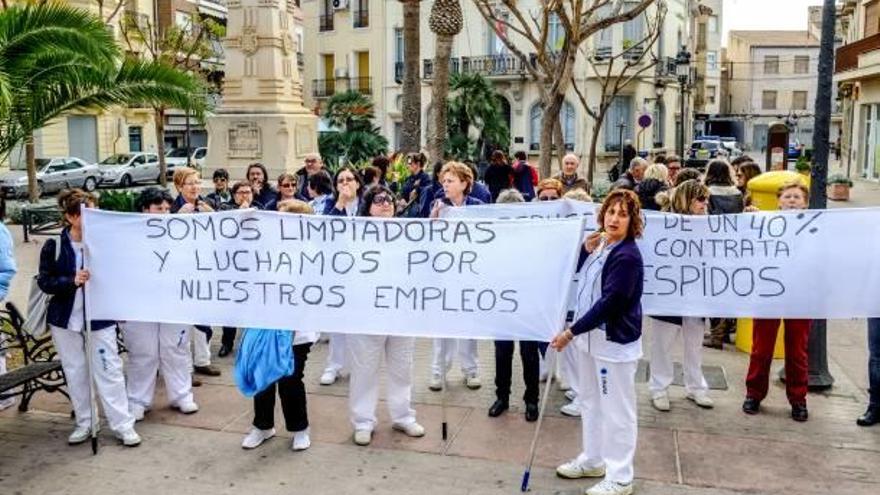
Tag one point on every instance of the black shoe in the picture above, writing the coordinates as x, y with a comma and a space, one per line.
531, 412
870, 418
751, 406
208, 370
498, 408
799, 412
224, 351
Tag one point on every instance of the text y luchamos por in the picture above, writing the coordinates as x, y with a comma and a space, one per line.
360, 275
806, 263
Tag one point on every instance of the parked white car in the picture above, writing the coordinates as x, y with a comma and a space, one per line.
176, 157
53, 174
125, 169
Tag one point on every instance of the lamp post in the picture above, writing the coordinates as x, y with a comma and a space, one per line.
683, 71
659, 89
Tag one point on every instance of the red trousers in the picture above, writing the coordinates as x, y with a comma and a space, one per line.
797, 333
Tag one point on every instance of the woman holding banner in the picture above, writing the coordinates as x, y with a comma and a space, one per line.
608, 324
157, 347
688, 198
63, 278
366, 354
457, 179
345, 203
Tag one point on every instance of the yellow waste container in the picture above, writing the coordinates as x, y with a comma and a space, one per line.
744, 337
763, 189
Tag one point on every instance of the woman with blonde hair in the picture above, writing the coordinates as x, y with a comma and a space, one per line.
689, 198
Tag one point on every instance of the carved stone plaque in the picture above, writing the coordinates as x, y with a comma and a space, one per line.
244, 140
249, 40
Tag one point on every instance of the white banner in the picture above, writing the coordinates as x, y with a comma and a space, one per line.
806, 264
442, 278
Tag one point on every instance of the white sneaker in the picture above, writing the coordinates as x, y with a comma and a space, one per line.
701, 399
329, 377
571, 409
137, 411
472, 381
363, 437
79, 435
256, 437
661, 402
411, 429
436, 383
570, 395
129, 437
187, 407
573, 470
606, 487
301, 440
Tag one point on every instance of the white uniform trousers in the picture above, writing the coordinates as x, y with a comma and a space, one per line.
154, 347
336, 354
445, 349
663, 335
201, 354
568, 367
609, 425
365, 356
107, 372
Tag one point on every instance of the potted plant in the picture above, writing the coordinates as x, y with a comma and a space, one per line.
839, 185
802, 165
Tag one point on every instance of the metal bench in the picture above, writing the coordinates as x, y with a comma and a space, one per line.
40, 220
39, 368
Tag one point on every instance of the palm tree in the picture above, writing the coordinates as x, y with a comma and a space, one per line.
411, 129
474, 104
55, 59
445, 22
357, 138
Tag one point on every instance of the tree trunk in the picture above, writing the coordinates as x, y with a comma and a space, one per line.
30, 157
822, 123
559, 138
438, 98
548, 124
411, 128
594, 143
160, 145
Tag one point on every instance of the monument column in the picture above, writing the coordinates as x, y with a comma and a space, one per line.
261, 117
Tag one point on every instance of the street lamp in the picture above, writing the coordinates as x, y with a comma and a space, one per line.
683, 71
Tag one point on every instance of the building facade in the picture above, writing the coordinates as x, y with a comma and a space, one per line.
857, 75
359, 44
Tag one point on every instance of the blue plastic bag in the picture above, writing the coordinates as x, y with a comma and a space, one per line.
264, 357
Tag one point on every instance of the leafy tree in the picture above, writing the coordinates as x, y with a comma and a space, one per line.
356, 137
475, 117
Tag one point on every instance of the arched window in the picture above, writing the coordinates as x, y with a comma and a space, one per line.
566, 120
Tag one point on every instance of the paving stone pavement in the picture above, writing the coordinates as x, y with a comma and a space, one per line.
685, 451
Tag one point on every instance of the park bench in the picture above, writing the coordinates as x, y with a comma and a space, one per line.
40, 220
32, 360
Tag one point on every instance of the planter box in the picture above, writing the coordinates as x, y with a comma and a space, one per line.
838, 192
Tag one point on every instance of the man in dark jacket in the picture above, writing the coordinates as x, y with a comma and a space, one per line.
499, 175
523, 173
313, 164
633, 176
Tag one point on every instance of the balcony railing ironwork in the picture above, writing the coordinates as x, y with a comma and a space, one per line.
323, 88
398, 72
363, 85
361, 18
325, 22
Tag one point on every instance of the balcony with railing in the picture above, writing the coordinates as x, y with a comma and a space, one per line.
428, 67
847, 57
325, 22
323, 88
398, 72
363, 85
361, 17
666, 67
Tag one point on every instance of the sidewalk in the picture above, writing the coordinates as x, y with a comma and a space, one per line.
685, 451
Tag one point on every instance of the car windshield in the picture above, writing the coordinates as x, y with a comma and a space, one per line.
704, 145
176, 153
119, 159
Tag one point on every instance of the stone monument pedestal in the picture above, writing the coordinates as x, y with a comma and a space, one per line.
262, 117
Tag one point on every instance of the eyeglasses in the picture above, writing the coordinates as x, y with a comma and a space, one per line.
243, 192
343, 180
191, 183
287, 184
381, 199
547, 198
220, 179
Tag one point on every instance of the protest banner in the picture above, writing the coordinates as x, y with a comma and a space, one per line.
793, 264
429, 278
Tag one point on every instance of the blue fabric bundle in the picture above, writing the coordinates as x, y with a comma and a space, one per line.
264, 357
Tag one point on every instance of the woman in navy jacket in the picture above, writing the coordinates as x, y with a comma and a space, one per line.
62, 278
608, 324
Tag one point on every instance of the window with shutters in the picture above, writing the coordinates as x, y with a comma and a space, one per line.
801, 64
768, 100
771, 64
799, 100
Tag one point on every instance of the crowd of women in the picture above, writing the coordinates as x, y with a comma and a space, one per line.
599, 348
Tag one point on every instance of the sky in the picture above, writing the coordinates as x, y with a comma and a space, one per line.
765, 14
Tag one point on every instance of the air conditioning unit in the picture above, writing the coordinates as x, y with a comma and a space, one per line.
340, 4
341, 72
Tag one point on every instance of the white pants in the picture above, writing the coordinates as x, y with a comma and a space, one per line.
336, 354
445, 349
154, 347
201, 348
106, 370
365, 356
609, 425
662, 337
568, 367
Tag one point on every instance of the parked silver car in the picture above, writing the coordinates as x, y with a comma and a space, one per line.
53, 174
125, 169
177, 157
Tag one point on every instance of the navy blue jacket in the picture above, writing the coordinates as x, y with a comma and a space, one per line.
215, 204
620, 307
418, 180
56, 279
268, 196
468, 201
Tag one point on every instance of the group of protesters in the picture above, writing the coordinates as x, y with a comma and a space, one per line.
597, 371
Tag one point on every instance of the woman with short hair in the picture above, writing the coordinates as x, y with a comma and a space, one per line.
724, 197
319, 187
549, 190
655, 181
64, 277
